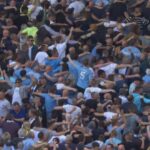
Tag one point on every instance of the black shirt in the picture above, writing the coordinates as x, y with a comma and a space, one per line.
117, 11
135, 144
99, 13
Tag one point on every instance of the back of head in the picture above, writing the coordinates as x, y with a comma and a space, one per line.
95, 145
41, 136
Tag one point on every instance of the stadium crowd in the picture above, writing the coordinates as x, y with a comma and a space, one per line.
75, 74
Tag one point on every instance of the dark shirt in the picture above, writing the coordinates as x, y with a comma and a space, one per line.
19, 115
99, 13
117, 11
134, 144
7, 43
11, 127
119, 84
128, 105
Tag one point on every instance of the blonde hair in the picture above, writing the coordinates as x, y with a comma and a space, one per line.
25, 129
6, 136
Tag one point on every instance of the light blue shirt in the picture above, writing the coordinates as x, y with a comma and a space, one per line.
54, 63
113, 141
36, 75
146, 100
73, 70
127, 51
137, 101
105, 2
84, 76
50, 103
146, 79
28, 143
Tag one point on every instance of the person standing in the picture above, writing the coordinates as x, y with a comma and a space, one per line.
4, 105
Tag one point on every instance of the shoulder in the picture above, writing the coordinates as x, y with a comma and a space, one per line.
5, 101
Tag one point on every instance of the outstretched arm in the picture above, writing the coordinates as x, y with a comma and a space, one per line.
49, 77
69, 88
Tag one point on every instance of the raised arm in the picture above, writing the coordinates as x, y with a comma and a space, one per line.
123, 66
70, 60
70, 34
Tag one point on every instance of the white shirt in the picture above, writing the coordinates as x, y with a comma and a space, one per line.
78, 7
122, 71
59, 86
30, 52
16, 96
35, 12
36, 139
123, 99
132, 88
109, 115
61, 49
40, 57
113, 24
4, 107
109, 69
68, 108
62, 139
89, 90
53, 2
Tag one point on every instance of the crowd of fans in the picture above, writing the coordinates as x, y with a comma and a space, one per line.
75, 74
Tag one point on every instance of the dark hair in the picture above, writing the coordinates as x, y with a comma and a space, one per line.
65, 59
57, 140
16, 104
70, 11
24, 9
95, 144
100, 72
30, 37
65, 67
41, 135
130, 98
18, 80
23, 73
60, 103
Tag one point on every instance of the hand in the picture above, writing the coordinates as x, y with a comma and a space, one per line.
68, 56
74, 90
